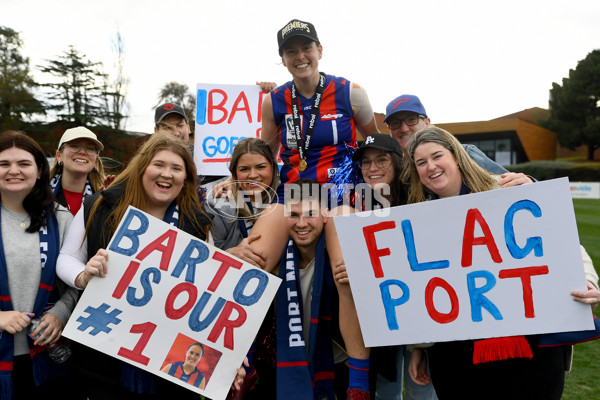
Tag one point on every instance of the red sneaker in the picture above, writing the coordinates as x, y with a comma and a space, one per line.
357, 394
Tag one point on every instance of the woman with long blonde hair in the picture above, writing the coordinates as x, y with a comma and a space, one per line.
161, 181
510, 367
475, 178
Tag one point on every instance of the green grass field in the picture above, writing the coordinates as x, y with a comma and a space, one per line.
582, 382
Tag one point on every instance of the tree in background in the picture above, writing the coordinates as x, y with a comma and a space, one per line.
575, 106
180, 94
16, 97
80, 91
116, 91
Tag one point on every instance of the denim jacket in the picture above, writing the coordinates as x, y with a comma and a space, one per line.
484, 162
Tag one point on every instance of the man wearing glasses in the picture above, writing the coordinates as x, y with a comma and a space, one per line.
405, 115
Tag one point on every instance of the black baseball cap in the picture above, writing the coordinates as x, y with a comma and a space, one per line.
296, 28
165, 109
379, 141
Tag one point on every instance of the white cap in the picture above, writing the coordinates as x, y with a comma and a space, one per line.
79, 133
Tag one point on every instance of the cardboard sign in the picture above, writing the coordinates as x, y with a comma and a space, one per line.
166, 290
225, 114
492, 264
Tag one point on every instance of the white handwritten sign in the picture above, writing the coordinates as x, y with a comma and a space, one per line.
168, 293
225, 114
498, 263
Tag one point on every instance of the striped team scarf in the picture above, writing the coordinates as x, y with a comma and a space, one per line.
298, 377
43, 367
133, 378
55, 184
246, 224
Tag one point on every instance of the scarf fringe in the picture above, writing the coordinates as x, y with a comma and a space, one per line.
503, 348
137, 380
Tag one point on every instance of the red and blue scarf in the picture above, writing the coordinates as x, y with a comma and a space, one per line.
55, 185
246, 224
298, 377
43, 366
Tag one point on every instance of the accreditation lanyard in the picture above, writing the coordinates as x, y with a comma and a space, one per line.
304, 145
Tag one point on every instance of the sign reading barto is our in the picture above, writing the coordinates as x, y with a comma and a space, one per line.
170, 300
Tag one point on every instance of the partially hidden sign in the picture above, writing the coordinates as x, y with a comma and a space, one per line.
170, 298
225, 114
492, 264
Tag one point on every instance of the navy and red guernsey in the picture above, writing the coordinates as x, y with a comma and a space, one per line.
194, 379
334, 131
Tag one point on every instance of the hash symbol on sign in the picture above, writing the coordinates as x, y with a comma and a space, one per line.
99, 319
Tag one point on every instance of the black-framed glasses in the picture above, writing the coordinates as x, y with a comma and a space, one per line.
381, 162
76, 147
409, 121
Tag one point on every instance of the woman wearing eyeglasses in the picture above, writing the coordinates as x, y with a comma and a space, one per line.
77, 170
380, 161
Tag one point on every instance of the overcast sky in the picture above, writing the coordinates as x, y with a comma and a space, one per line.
466, 60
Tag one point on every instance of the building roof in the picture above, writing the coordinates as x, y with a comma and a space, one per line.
539, 143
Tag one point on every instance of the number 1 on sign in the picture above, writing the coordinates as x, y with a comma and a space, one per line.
146, 329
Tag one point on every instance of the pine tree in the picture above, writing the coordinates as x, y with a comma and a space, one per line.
17, 101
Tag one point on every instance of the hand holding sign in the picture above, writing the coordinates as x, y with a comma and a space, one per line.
164, 290
489, 264
590, 296
96, 266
